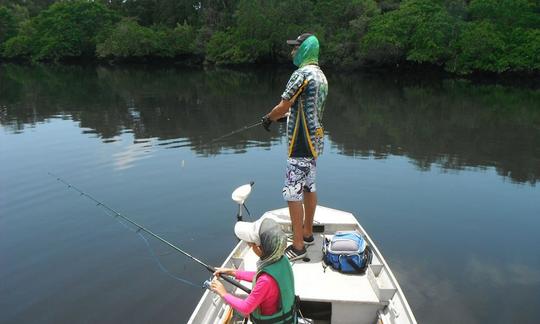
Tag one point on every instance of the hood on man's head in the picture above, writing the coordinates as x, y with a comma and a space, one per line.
308, 52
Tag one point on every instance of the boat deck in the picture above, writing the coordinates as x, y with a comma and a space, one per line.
335, 285
315, 282
327, 295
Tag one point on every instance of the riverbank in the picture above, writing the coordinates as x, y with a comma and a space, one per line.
464, 38
408, 70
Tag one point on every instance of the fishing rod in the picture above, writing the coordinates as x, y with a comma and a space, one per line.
144, 229
266, 126
234, 132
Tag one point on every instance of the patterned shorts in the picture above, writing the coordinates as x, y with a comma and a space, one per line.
300, 177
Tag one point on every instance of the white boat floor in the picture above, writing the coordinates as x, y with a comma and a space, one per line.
316, 282
366, 299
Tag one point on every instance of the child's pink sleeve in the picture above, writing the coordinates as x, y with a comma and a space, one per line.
244, 275
263, 287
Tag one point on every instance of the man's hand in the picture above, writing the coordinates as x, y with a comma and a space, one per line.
279, 113
266, 122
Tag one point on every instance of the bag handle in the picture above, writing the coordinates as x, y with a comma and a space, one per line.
367, 256
358, 269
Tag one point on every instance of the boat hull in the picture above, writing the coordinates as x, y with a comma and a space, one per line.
327, 296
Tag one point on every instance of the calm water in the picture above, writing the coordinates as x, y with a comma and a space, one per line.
442, 173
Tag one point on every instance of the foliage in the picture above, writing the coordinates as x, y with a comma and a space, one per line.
419, 31
507, 13
523, 49
388, 5
32, 7
8, 25
456, 8
345, 23
259, 31
20, 46
170, 13
20, 13
180, 40
66, 29
503, 35
463, 36
129, 39
480, 46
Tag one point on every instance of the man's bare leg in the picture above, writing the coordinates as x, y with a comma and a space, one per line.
296, 210
310, 204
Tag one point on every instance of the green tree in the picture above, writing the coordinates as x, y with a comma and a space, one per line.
502, 36
178, 41
213, 13
524, 49
388, 5
419, 31
260, 30
462, 35
20, 46
507, 13
64, 30
249, 40
8, 25
456, 8
128, 39
32, 7
480, 47
344, 23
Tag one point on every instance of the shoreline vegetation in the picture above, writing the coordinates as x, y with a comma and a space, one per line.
458, 37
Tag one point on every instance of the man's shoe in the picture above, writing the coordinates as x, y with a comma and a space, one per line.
309, 240
294, 254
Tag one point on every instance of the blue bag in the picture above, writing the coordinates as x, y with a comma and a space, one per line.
347, 252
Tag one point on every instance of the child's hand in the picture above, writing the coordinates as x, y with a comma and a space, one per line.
217, 287
227, 271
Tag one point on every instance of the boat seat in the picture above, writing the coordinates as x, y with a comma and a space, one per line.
313, 277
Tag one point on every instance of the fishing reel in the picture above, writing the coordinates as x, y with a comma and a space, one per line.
207, 284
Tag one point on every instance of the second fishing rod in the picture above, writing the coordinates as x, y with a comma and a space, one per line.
265, 122
144, 229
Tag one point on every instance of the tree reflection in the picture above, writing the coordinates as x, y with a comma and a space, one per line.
454, 124
451, 123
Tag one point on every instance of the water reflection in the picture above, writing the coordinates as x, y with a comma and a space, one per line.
447, 290
452, 124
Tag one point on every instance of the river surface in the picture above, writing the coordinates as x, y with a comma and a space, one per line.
443, 174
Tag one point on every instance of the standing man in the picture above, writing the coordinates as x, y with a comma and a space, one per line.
304, 98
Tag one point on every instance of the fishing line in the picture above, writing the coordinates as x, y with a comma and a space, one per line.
155, 256
247, 210
142, 228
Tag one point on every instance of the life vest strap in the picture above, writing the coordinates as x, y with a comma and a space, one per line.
287, 317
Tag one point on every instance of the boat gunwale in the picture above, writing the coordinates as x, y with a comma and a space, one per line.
242, 246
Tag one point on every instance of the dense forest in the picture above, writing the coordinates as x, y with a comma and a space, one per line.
459, 36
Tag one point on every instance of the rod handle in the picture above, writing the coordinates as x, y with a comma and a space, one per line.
236, 283
230, 280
